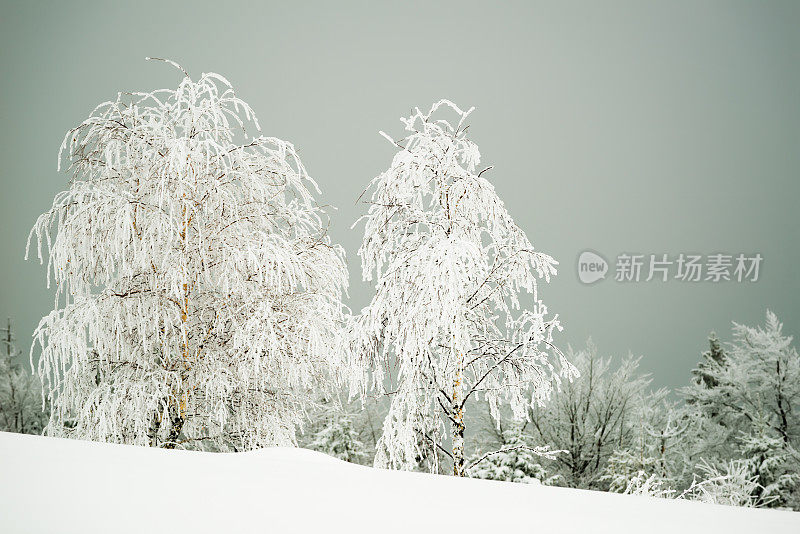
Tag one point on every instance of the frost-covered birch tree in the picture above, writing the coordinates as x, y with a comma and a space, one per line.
449, 266
198, 296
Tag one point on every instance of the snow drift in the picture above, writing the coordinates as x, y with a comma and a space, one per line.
54, 485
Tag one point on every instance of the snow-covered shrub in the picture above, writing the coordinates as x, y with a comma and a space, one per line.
732, 484
650, 485
630, 472
515, 461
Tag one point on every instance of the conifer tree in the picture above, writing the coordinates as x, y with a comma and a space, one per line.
774, 467
712, 361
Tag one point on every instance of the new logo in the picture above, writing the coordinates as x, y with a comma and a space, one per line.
591, 267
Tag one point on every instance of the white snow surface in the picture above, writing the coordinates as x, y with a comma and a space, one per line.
52, 485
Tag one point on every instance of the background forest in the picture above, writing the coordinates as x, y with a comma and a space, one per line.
729, 436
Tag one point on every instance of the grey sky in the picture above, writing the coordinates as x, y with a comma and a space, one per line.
621, 127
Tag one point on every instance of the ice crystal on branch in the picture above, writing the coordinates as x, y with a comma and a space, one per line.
197, 294
449, 265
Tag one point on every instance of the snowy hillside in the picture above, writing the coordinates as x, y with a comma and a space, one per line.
60, 486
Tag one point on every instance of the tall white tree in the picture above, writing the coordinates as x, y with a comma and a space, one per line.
197, 294
444, 325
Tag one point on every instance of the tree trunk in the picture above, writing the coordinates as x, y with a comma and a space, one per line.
459, 467
177, 420
459, 464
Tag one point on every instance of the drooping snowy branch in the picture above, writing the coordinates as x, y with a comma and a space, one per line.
197, 293
449, 265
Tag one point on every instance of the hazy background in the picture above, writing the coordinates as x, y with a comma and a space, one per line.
620, 127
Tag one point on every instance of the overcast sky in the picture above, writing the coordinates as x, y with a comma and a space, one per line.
656, 128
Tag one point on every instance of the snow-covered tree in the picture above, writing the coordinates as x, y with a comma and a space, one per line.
449, 266
347, 428
745, 410
515, 461
709, 437
775, 467
653, 461
591, 417
338, 437
759, 380
705, 374
763, 379
198, 296
21, 408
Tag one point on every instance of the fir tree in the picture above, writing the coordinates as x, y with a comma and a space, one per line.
772, 465
705, 374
